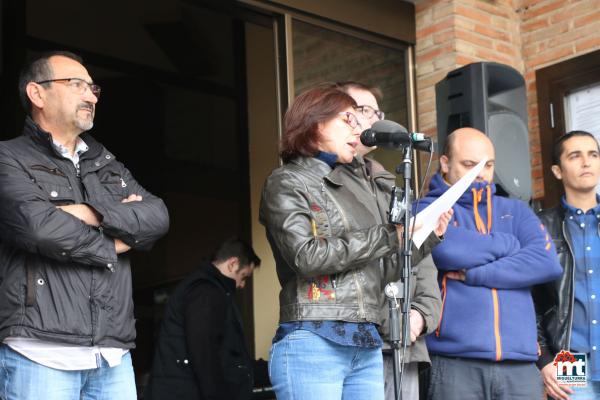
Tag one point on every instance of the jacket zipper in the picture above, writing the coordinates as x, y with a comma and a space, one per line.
344, 220
497, 335
359, 293
572, 299
370, 183
78, 194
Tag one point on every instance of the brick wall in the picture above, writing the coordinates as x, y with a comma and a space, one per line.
525, 34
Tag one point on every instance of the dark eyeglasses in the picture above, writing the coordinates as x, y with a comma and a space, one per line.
369, 112
77, 85
350, 119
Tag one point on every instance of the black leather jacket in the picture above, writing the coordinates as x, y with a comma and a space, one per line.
326, 233
554, 300
60, 279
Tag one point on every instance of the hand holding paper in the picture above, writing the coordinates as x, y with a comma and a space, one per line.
429, 217
443, 222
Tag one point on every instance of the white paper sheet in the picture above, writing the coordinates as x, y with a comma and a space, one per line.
583, 110
430, 215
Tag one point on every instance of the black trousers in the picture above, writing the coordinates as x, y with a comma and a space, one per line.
454, 378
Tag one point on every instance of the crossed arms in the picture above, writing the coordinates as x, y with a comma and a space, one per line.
91, 233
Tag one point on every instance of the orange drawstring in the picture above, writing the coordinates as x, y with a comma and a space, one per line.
478, 222
481, 227
489, 208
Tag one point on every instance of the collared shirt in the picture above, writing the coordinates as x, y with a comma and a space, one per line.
585, 242
58, 355
80, 148
65, 357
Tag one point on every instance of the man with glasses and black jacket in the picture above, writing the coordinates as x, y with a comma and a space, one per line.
70, 213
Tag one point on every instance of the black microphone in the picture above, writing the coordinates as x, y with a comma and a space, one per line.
392, 135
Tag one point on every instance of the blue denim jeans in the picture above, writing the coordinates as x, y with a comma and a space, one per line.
305, 366
23, 379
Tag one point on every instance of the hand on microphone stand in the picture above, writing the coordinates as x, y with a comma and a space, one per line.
400, 230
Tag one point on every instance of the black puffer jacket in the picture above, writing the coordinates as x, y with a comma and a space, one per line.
60, 279
554, 300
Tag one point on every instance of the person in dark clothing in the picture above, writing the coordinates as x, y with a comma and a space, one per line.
201, 351
69, 214
567, 308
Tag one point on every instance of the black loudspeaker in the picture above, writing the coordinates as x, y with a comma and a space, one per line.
490, 97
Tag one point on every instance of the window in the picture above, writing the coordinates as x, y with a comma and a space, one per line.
554, 84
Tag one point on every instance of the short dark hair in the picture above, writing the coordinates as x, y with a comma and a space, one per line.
301, 122
345, 86
38, 69
558, 147
235, 247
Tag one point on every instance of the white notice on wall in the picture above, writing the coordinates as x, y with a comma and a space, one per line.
583, 110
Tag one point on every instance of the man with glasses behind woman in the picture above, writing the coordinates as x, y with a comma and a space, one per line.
425, 294
328, 239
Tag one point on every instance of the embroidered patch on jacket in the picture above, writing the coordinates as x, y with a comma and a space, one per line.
320, 222
318, 287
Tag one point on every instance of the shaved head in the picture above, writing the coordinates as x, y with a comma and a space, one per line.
464, 134
465, 148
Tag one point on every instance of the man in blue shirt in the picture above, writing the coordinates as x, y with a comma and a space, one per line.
569, 309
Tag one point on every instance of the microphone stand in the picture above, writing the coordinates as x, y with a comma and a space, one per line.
400, 213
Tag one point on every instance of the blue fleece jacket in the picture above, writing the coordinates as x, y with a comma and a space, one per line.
504, 249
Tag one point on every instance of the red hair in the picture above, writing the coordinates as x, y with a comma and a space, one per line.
301, 122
